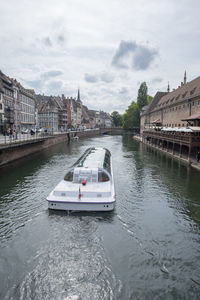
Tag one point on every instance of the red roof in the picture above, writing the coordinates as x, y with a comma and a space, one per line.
192, 117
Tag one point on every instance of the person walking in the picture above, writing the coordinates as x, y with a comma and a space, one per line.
10, 134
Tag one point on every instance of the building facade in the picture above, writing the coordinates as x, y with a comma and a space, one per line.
172, 109
1, 108
172, 120
28, 108
7, 103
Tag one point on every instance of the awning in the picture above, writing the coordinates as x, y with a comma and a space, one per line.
192, 117
177, 129
156, 121
195, 128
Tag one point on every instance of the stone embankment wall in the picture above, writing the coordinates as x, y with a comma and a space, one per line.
13, 151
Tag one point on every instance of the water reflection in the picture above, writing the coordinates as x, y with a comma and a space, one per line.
181, 180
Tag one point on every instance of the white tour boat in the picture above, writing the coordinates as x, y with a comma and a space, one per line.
88, 185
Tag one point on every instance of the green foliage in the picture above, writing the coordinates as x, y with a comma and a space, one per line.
142, 95
116, 118
149, 99
131, 117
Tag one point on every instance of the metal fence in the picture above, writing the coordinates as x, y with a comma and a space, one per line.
19, 137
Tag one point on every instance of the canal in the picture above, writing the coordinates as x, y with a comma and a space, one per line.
147, 248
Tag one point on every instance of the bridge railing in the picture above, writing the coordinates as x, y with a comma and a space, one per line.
19, 137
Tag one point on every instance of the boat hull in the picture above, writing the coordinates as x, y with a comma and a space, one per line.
78, 206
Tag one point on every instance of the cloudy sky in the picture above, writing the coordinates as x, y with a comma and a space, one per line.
106, 48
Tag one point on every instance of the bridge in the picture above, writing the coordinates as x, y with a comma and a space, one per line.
112, 130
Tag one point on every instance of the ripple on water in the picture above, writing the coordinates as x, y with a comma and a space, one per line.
72, 264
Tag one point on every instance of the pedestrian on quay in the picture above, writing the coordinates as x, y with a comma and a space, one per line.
10, 134
13, 134
198, 156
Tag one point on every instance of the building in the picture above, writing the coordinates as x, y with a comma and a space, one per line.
172, 109
62, 113
7, 103
48, 116
1, 108
172, 119
28, 108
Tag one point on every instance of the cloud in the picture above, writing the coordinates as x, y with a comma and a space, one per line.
61, 38
47, 41
91, 78
55, 85
106, 77
156, 80
50, 74
103, 77
123, 90
143, 57
45, 81
131, 55
124, 49
36, 84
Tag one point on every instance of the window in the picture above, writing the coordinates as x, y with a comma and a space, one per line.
102, 177
69, 176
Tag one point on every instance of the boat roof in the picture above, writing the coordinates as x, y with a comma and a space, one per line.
94, 158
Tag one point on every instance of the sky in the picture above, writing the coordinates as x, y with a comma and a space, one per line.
105, 48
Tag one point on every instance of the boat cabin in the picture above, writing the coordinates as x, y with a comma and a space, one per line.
92, 167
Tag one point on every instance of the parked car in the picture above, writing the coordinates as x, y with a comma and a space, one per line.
42, 131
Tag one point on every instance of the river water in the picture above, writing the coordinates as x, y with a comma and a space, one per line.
147, 248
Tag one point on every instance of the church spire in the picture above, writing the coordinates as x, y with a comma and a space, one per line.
185, 78
168, 88
78, 97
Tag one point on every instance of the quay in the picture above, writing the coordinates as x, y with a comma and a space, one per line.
12, 149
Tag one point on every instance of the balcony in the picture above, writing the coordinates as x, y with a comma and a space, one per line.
190, 138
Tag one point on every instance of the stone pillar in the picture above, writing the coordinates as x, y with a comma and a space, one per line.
180, 150
173, 148
190, 150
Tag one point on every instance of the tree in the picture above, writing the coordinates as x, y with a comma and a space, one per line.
116, 118
142, 96
131, 117
149, 99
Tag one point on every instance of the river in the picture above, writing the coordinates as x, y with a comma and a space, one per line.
147, 248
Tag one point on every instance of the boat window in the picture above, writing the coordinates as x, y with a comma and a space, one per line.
69, 176
81, 174
102, 176
106, 164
